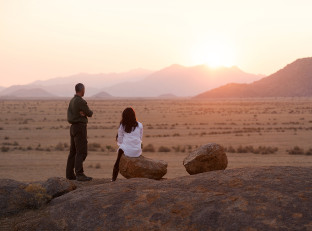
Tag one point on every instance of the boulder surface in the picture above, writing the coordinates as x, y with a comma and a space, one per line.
16, 197
209, 157
142, 167
269, 198
57, 186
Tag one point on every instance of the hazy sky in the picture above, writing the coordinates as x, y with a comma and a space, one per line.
41, 39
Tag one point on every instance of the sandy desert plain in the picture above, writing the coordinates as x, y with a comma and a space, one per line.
34, 134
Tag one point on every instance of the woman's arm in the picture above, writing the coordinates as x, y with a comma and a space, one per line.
141, 133
120, 135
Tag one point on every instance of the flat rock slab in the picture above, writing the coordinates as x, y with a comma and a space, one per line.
209, 157
142, 167
269, 198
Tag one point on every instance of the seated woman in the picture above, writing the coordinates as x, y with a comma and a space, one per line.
129, 138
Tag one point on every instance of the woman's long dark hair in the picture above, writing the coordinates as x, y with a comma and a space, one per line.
129, 121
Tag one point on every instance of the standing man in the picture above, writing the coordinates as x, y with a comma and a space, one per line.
77, 115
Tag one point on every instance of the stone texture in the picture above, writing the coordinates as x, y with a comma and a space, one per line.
270, 198
16, 197
142, 167
57, 186
209, 157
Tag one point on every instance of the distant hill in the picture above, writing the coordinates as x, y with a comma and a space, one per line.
98, 81
181, 81
30, 93
292, 81
64, 86
167, 96
102, 95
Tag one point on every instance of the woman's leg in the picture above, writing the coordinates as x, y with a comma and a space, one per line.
116, 166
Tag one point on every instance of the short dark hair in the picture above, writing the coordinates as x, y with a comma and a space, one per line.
79, 87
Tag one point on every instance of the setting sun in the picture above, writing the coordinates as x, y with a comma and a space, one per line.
213, 55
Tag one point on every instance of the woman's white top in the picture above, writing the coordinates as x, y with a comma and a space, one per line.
130, 143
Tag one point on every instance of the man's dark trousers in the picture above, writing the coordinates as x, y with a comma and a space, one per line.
78, 150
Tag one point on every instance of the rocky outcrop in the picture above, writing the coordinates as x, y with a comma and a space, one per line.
16, 197
57, 186
142, 167
206, 158
270, 198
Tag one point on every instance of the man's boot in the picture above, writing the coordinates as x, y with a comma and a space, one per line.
83, 177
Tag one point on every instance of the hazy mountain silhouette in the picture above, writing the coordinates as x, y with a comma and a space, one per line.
293, 80
102, 95
30, 93
64, 86
181, 81
96, 80
167, 96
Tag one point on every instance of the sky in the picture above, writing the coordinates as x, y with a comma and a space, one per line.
42, 39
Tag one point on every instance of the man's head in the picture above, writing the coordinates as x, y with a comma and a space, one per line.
80, 89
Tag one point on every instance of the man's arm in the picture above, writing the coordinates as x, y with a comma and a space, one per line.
84, 108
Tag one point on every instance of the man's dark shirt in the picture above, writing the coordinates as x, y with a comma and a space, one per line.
76, 105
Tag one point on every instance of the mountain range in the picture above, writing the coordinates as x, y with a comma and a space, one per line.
294, 80
175, 80
64, 86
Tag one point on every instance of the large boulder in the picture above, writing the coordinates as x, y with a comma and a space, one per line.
16, 196
142, 167
206, 158
269, 198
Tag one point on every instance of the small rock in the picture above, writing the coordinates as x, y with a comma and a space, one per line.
142, 167
57, 186
206, 158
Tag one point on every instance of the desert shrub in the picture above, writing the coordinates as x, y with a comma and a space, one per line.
230, 149
6, 137
148, 148
59, 147
176, 148
110, 148
164, 149
29, 148
265, 150
5, 149
94, 146
309, 152
241, 149
98, 165
251, 149
296, 151
176, 134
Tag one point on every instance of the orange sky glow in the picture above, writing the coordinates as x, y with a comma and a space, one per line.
42, 39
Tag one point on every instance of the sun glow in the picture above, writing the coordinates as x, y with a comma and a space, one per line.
213, 55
